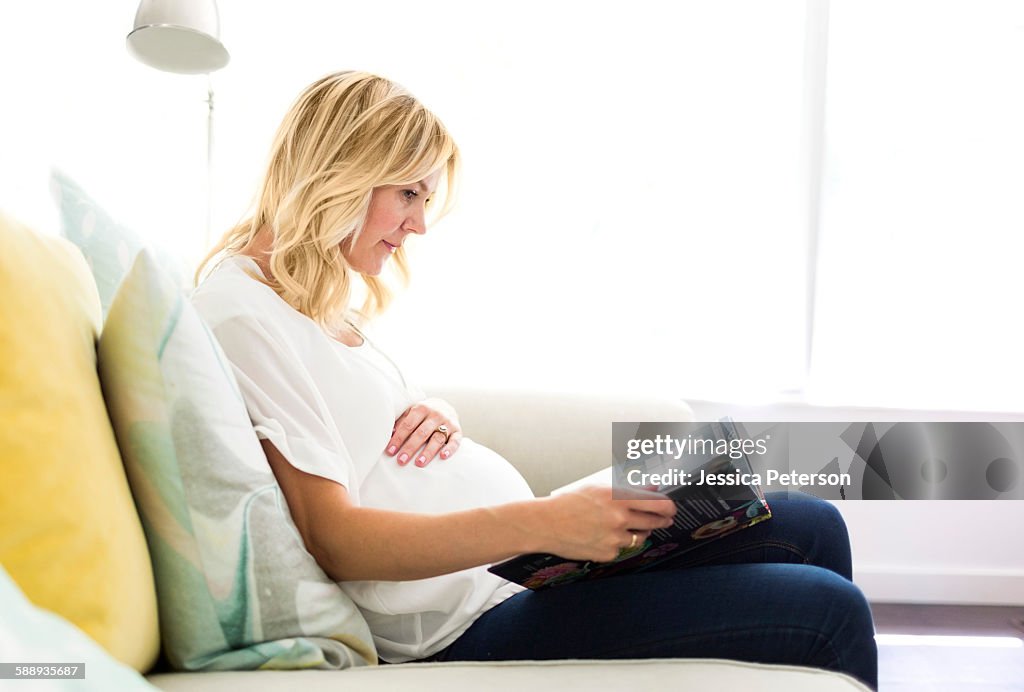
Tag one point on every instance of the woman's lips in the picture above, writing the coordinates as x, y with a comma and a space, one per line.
391, 248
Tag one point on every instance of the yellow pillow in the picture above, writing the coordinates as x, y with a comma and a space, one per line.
69, 533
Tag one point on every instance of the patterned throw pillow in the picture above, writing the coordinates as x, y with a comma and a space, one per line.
28, 633
108, 246
235, 585
69, 532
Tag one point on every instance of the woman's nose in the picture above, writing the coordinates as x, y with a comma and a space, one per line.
416, 222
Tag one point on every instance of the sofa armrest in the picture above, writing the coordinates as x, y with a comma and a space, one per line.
551, 438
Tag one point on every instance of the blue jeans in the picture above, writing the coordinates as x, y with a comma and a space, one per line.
777, 592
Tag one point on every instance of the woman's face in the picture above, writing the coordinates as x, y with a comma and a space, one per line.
395, 212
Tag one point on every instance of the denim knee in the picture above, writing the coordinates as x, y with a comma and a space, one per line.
850, 631
816, 527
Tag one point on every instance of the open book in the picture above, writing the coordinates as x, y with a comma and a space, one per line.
705, 511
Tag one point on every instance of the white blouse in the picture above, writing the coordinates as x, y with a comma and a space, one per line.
330, 410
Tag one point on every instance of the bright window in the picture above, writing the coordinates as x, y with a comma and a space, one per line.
920, 280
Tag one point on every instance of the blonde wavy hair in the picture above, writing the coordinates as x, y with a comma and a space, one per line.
347, 133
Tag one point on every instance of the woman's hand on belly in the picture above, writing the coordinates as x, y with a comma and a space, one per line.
418, 429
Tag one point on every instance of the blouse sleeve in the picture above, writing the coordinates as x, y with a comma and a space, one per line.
283, 399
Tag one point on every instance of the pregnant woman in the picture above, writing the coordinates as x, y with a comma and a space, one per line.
404, 511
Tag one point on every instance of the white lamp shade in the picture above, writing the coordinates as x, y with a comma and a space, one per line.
180, 36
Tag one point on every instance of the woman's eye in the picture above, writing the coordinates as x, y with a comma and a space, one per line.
410, 194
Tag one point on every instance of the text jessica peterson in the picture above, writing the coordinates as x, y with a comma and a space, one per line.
675, 477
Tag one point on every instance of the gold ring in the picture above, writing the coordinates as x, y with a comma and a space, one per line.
443, 429
632, 544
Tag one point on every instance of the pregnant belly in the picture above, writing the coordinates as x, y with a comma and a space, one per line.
475, 476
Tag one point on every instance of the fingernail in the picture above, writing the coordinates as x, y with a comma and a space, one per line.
444, 454
392, 449
404, 459
421, 461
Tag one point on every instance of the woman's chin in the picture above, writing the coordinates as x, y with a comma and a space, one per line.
371, 268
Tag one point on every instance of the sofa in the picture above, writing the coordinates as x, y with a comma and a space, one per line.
91, 542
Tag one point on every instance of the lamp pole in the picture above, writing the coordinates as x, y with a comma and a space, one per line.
183, 36
209, 163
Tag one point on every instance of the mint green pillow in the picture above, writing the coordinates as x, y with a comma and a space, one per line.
31, 634
235, 585
108, 246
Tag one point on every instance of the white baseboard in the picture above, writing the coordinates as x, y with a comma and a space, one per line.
950, 586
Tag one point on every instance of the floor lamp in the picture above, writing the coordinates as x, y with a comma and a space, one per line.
183, 36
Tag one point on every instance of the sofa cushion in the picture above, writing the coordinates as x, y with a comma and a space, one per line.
237, 589
69, 533
28, 633
514, 676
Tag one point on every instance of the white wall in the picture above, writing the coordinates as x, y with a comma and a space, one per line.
938, 551
72, 97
